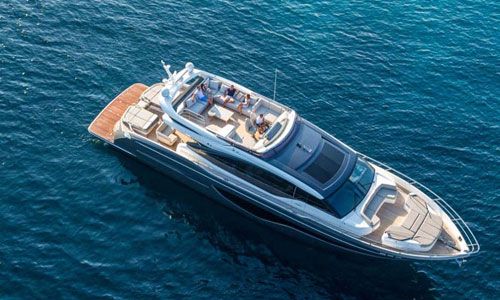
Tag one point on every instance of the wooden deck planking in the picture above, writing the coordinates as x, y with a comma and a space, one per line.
103, 124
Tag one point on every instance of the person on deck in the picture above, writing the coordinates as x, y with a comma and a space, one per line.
229, 95
261, 123
201, 94
244, 103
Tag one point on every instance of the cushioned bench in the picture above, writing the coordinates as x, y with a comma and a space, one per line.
140, 119
385, 194
152, 94
420, 229
166, 134
271, 111
246, 110
226, 131
195, 106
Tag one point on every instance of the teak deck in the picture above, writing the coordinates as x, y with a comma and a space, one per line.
103, 124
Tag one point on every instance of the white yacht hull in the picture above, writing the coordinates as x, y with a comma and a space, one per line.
149, 139
196, 178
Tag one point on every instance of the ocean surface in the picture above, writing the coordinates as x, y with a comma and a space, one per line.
415, 84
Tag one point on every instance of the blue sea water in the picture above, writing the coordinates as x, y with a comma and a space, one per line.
415, 84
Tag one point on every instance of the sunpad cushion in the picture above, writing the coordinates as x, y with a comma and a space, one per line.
140, 118
421, 225
198, 106
400, 233
151, 94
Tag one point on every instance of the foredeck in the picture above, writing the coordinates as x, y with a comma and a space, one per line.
103, 124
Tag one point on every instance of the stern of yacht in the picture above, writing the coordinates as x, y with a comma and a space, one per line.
136, 110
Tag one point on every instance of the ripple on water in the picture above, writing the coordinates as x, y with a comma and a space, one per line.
412, 84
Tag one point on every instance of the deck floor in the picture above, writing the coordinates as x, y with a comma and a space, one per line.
104, 123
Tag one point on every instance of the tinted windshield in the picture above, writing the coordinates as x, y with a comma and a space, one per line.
326, 164
350, 194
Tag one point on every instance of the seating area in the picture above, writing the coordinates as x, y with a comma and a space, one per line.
271, 111
140, 119
385, 194
151, 97
420, 228
166, 135
220, 118
144, 122
227, 131
238, 98
194, 106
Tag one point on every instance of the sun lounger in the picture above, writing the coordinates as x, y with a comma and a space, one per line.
420, 229
140, 119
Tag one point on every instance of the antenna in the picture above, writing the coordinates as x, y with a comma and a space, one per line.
167, 69
275, 78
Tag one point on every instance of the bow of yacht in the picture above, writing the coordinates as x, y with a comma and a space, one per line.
289, 174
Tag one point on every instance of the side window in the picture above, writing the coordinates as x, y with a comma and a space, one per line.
260, 177
302, 195
271, 179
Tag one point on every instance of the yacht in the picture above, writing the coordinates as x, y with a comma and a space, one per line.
261, 158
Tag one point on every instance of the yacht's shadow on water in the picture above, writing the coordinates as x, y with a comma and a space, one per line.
333, 271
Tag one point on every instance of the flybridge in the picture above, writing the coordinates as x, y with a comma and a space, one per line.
217, 119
